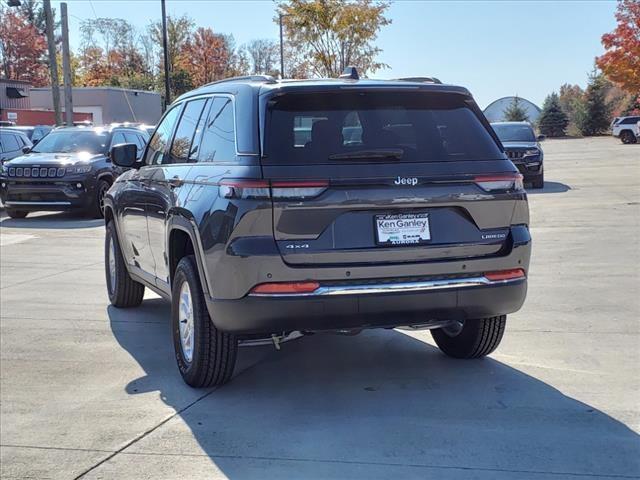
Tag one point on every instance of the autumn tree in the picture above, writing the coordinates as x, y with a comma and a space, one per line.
515, 112
264, 56
205, 57
328, 35
621, 61
553, 121
22, 50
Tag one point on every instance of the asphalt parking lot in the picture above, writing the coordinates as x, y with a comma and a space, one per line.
90, 391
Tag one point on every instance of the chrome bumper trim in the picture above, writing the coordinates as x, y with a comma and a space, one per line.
21, 203
425, 286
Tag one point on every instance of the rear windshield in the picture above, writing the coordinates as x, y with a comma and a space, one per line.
360, 126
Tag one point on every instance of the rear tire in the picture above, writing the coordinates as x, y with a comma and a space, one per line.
476, 338
16, 214
205, 355
628, 137
124, 292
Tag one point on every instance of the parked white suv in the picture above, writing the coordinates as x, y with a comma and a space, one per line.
627, 129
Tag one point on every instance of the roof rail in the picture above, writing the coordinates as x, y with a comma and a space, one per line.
420, 79
251, 78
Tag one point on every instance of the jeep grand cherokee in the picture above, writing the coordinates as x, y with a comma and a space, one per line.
261, 207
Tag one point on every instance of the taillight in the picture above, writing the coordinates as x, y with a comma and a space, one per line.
490, 183
285, 288
292, 190
505, 275
244, 188
231, 188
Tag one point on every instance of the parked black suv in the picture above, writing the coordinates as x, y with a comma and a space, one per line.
523, 148
263, 207
68, 169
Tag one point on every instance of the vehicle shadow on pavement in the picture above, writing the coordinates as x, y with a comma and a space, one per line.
379, 405
549, 187
53, 220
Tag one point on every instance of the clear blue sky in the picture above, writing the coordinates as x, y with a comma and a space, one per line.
495, 48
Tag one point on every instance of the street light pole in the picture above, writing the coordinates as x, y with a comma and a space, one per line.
53, 65
66, 66
281, 49
167, 92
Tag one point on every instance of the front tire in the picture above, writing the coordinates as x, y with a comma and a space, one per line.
17, 214
205, 355
474, 338
538, 182
124, 292
96, 210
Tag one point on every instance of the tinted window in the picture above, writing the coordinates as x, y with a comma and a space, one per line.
38, 133
118, 138
219, 138
413, 127
630, 120
10, 143
183, 139
135, 139
514, 133
158, 143
68, 141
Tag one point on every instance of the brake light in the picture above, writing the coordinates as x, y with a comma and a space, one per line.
285, 288
231, 188
244, 188
505, 275
511, 181
282, 190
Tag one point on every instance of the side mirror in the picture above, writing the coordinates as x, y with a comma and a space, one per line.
541, 137
26, 149
124, 155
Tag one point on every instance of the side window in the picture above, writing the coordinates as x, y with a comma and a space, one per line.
158, 143
10, 143
219, 136
181, 146
133, 138
118, 138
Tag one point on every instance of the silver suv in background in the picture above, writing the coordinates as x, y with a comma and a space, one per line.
627, 129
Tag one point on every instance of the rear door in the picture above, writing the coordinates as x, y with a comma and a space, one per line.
372, 177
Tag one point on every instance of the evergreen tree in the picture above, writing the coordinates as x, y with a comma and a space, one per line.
593, 113
553, 121
515, 112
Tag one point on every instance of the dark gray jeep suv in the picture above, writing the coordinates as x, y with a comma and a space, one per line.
69, 169
523, 148
265, 207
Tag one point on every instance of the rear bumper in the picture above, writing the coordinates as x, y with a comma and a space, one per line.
349, 306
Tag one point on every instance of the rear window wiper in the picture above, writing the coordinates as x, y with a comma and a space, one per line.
372, 154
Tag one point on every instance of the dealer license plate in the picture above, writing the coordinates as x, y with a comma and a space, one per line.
403, 229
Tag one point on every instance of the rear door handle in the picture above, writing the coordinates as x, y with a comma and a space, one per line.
175, 182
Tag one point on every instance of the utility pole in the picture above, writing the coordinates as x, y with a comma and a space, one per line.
281, 49
66, 66
167, 92
53, 65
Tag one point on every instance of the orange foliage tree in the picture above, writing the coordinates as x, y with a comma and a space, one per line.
205, 56
22, 50
621, 61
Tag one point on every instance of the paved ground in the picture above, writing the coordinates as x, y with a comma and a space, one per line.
90, 390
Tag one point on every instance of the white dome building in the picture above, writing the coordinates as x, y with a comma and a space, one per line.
495, 110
